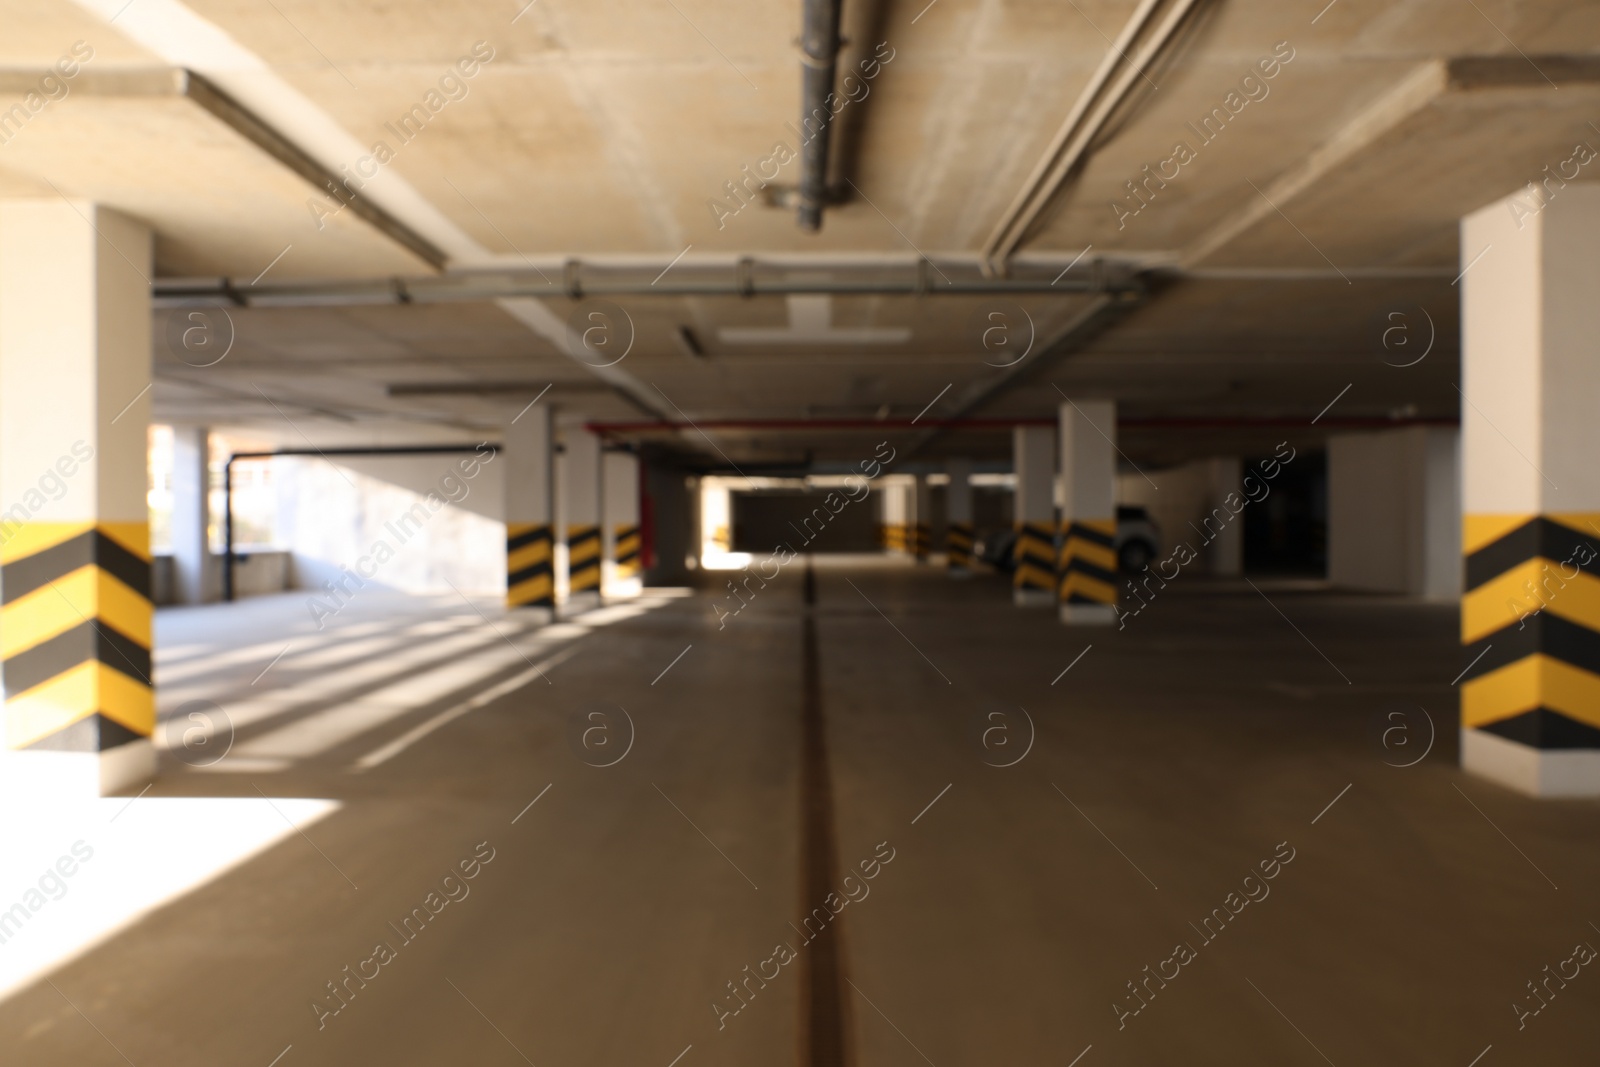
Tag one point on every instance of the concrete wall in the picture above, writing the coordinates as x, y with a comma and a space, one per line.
374, 515
1180, 500
257, 574
762, 521
1185, 497
1394, 512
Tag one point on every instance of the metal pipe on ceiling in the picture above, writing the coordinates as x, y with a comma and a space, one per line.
748, 277
1350, 422
1101, 98
819, 54
1115, 54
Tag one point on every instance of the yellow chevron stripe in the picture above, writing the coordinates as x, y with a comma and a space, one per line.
528, 555
1089, 552
31, 538
627, 544
583, 552
1104, 526
539, 587
1480, 530
133, 536
1490, 606
1027, 576
86, 593
50, 707
1477, 531
1085, 585
581, 581
1585, 522
1532, 682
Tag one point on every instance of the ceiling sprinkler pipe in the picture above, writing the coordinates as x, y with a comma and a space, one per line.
819, 52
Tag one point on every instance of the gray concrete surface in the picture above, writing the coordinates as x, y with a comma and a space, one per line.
1166, 763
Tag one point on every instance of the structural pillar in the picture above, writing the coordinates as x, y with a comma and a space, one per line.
1086, 569
75, 610
1033, 454
920, 529
958, 533
191, 499
529, 482
893, 530
620, 476
1530, 614
581, 489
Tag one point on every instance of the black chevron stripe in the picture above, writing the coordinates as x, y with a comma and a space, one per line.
91, 640
1545, 729
1535, 539
530, 571
1088, 533
1545, 632
21, 577
1082, 566
523, 540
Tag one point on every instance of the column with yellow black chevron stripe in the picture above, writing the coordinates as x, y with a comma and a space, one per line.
620, 493
893, 517
580, 500
75, 611
1530, 613
920, 528
530, 547
958, 518
1033, 582
1086, 566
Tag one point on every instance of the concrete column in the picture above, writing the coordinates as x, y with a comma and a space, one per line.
668, 522
1393, 507
1225, 550
1086, 569
1530, 615
958, 518
920, 531
75, 611
620, 478
191, 514
894, 535
529, 485
581, 495
1033, 455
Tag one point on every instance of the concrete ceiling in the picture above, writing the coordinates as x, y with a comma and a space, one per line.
1274, 261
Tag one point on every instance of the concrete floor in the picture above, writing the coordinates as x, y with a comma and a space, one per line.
1169, 761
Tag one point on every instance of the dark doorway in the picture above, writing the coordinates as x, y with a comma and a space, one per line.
1287, 533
